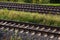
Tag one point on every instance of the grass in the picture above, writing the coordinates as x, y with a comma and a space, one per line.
46, 19
34, 3
51, 4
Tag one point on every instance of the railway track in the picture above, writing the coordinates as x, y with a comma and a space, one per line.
30, 30
31, 7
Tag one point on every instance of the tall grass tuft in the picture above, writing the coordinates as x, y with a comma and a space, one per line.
46, 19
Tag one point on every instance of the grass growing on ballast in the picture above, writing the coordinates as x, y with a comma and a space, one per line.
47, 19
22, 2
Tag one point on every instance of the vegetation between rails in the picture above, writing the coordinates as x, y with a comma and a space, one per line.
41, 2
29, 1
47, 19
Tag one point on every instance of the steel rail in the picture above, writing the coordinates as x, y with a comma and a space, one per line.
21, 28
31, 7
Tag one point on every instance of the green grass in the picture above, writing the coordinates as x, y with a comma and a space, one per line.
51, 4
47, 19
33, 3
